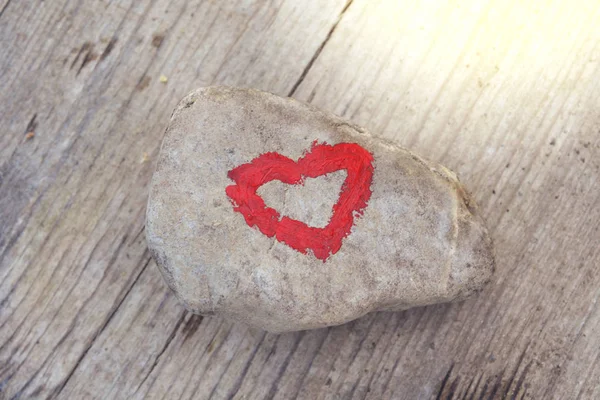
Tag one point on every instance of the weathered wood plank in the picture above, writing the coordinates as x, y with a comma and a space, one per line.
504, 92
83, 77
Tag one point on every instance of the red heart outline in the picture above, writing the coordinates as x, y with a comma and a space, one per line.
320, 160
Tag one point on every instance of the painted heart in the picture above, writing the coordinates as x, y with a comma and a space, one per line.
321, 159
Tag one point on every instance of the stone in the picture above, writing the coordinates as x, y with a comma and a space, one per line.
270, 212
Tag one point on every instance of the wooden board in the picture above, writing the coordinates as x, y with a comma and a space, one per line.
503, 92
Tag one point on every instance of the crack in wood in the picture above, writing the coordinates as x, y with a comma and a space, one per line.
444, 382
240, 379
108, 49
4, 7
515, 371
56, 392
319, 49
284, 365
163, 349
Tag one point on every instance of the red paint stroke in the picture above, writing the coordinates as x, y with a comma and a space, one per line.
320, 160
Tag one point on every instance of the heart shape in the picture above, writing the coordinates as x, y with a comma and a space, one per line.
320, 160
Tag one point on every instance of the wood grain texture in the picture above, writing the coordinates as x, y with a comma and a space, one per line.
503, 92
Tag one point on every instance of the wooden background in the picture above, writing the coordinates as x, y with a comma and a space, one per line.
507, 93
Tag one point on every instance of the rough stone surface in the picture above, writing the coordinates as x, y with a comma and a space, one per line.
419, 240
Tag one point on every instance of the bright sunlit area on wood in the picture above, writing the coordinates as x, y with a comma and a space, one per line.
417, 70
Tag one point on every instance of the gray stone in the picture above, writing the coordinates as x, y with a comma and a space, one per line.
417, 239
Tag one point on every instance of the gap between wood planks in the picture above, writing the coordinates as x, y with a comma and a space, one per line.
320, 49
